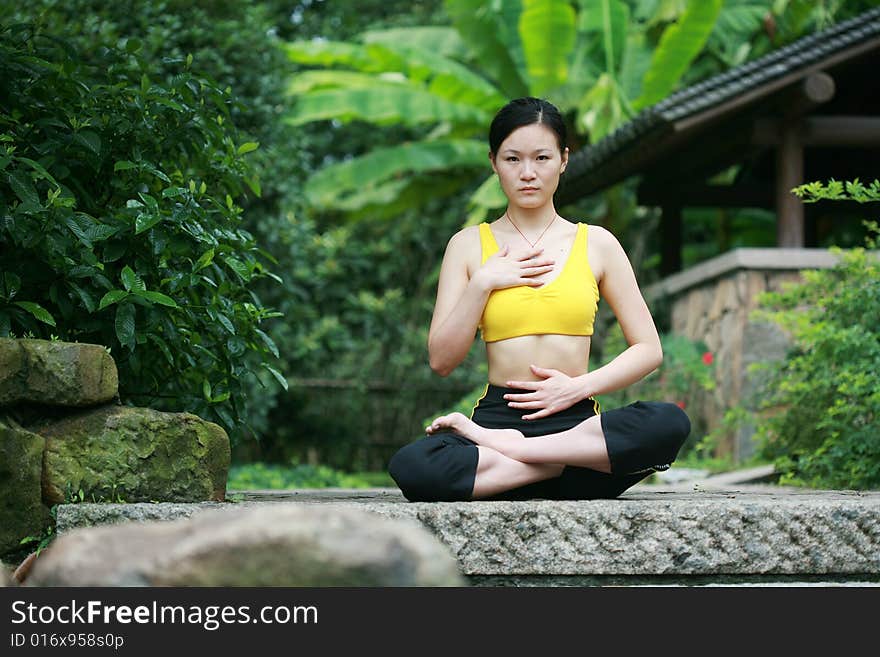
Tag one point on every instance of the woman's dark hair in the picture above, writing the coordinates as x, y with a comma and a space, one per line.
526, 111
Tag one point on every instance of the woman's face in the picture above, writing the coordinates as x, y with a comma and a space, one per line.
528, 164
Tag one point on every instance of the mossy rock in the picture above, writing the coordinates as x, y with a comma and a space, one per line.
56, 373
123, 453
21, 461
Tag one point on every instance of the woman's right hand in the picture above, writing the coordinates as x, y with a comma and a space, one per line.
509, 268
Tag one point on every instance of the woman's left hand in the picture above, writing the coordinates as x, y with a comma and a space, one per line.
555, 392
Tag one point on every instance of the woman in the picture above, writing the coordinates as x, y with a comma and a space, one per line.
531, 281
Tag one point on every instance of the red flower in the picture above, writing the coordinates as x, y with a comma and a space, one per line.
708, 358
680, 404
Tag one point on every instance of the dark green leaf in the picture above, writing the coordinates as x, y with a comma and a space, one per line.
268, 342
90, 140
227, 324
170, 103
203, 261
11, 283
146, 221
162, 347
150, 201
84, 296
130, 280
158, 297
239, 268
156, 172
125, 325
278, 376
37, 311
100, 232
41, 171
24, 188
77, 230
113, 296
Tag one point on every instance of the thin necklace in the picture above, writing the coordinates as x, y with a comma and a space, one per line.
530, 243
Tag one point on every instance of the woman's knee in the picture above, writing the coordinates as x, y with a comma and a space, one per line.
644, 436
675, 423
434, 470
406, 467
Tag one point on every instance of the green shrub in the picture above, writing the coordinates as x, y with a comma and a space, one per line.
822, 403
119, 223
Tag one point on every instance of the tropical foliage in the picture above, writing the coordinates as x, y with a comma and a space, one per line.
449, 81
604, 61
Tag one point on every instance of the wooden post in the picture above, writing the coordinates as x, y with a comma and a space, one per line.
789, 174
670, 239
816, 89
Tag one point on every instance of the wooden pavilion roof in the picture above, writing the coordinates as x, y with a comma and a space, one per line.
734, 117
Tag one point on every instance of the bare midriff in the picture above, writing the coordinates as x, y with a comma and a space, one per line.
509, 360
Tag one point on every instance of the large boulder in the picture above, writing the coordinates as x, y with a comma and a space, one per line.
274, 545
21, 463
123, 453
56, 373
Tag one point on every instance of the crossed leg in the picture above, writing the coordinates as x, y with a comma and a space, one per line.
505, 452
497, 473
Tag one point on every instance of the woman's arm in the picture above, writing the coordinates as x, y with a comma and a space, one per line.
461, 296
620, 290
459, 305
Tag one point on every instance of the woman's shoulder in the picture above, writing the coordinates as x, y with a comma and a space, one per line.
599, 233
466, 242
467, 235
605, 251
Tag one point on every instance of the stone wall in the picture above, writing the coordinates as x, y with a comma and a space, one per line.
712, 303
65, 438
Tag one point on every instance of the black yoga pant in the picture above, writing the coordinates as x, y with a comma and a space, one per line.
641, 438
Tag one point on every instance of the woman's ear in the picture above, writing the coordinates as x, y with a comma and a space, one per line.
492, 160
564, 160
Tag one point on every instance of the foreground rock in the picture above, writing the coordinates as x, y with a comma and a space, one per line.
55, 373
120, 453
21, 461
276, 545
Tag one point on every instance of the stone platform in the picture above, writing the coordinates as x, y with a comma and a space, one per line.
685, 534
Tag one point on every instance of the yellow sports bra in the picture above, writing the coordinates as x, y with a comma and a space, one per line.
566, 305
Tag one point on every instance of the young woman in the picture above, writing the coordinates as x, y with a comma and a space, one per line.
531, 281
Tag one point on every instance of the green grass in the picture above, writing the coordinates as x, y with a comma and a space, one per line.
266, 476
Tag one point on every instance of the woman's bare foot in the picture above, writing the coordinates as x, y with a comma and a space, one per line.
505, 441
